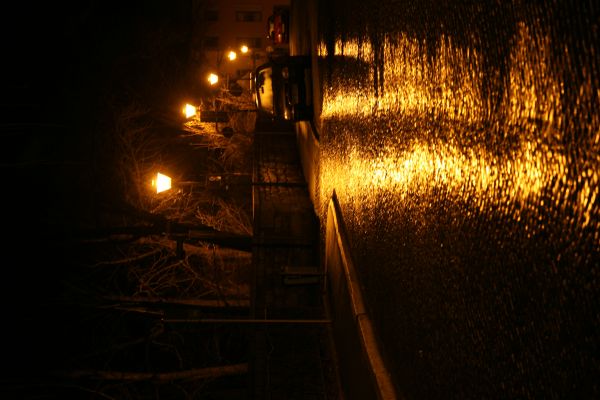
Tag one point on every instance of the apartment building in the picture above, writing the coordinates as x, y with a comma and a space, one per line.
229, 24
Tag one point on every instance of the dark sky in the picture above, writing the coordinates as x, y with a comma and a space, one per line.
66, 66
54, 54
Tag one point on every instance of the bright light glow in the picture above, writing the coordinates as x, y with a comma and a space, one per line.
213, 78
189, 110
244, 49
161, 183
535, 171
232, 55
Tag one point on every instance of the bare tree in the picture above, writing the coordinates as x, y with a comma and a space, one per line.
197, 373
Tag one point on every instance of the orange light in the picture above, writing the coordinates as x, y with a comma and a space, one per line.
161, 183
189, 110
213, 78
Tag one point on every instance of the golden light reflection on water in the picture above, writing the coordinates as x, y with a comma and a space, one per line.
450, 87
411, 84
530, 97
425, 166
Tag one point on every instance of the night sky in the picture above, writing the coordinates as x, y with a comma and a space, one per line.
66, 69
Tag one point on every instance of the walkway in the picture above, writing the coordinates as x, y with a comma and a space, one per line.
291, 346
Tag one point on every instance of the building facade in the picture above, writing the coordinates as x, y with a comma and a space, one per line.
231, 24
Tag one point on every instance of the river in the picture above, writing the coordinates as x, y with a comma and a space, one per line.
463, 143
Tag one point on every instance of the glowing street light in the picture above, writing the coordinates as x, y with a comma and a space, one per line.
162, 182
213, 78
232, 55
189, 110
244, 49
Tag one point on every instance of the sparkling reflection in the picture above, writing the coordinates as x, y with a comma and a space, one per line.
463, 144
450, 89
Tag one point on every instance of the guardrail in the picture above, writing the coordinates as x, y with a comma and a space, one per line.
343, 284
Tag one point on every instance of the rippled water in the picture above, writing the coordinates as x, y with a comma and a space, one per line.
463, 143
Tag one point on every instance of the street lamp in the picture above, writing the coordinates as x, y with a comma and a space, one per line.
162, 182
253, 55
213, 78
232, 55
189, 110
203, 115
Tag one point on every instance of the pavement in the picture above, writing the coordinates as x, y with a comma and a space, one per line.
292, 348
360, 365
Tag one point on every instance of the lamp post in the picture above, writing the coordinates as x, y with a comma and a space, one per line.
190, 110
254, 55
181, 233
212, 78
230, 85
163, 183
215, 115
246, 50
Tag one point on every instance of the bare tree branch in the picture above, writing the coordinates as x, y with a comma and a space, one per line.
130, 260
199, 373
177, 301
